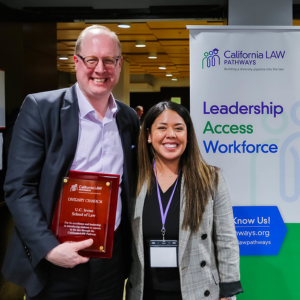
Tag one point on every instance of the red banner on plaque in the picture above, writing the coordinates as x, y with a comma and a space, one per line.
87, 209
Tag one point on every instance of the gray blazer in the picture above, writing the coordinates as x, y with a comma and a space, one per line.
207, 259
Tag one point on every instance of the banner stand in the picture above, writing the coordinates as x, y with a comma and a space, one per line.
245, 99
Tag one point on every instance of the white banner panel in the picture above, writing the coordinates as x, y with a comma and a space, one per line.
245, 99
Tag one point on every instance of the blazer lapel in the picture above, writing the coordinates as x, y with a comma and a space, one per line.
137, 223
184, 235
70, 123
125, 136
122, 124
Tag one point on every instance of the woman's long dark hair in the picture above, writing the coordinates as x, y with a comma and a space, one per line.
200, 179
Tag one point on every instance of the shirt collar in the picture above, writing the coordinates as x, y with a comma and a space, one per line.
85, 107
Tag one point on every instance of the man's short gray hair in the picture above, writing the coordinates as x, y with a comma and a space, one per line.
96, 27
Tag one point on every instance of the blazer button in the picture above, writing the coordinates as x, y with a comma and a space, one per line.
206, 293
204, 236
130, 284
203, 263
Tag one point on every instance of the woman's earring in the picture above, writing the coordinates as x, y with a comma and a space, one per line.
149, 141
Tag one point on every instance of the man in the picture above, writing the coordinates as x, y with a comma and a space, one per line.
82, 128
139, 110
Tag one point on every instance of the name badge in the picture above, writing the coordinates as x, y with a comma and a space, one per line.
163, 254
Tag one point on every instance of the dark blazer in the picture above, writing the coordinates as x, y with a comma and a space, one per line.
41, 153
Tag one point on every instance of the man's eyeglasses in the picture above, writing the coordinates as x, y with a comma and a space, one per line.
91, 62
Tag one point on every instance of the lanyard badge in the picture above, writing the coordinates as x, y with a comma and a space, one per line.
163, 254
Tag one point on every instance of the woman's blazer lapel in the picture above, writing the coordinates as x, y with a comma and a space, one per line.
137, 223
184, 235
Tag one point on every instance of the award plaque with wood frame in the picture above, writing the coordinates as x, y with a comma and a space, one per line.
87, 209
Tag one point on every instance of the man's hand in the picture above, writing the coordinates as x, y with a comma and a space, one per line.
66, 255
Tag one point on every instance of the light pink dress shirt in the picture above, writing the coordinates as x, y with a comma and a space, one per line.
99, 147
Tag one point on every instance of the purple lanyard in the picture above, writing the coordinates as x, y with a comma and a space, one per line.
162, 213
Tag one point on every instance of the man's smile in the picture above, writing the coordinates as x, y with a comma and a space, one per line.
99, 80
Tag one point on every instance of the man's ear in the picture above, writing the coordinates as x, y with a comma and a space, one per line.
75, 58
120, 61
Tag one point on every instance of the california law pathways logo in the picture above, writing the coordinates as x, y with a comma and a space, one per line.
74, 188
211, 58
239, 57
84, 188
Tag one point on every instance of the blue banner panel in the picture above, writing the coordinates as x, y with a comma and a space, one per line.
259, 229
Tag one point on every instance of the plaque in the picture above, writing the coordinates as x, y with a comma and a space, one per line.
87, 209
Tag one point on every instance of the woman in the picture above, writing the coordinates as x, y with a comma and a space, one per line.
184, 240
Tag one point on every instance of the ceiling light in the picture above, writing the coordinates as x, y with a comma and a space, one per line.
169, 75
140, 44
63, 57
174, 79
124, 25
152, 55
162, 67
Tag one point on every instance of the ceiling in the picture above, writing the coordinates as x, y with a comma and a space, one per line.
169, 39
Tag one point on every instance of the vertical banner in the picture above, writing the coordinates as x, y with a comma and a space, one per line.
245, 99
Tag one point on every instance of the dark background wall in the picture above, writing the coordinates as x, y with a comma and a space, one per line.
8, 290
11, 60
147, 100
28, 56
40, 67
